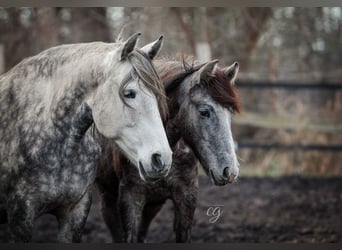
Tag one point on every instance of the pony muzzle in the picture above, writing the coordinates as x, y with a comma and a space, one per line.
224, 178
227, 175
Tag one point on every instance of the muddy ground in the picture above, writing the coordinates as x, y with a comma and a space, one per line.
285, 209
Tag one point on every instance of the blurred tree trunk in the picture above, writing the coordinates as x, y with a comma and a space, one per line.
272, 77
23, 38
255, 20
203, 48
131, 17
45, 32
197, 34
187, 29
272, 66
89, 24
13, 37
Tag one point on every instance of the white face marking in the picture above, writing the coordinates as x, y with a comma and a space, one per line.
137, 130
143, 133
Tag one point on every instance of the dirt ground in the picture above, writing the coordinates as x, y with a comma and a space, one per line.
284, 209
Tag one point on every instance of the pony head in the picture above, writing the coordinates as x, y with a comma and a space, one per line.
207, 100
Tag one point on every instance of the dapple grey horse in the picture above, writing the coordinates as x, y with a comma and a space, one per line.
48, 154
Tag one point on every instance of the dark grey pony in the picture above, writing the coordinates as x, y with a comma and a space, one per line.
201, 101
48, 155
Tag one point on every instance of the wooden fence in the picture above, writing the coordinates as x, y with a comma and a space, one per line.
264, 121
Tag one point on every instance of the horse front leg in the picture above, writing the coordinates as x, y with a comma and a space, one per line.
3, 210
131, 207
185, 205
111, 216
3, 215
72, 219
21, 216
149, 212
108, 187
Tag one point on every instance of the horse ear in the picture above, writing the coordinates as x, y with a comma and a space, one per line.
195, 93
152, 49
206, 70
232, 71
129, 46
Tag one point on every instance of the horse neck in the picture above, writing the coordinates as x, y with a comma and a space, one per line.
167, 70
74, 88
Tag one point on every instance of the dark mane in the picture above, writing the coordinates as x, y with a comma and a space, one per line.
218, 85
172, 82
223, 91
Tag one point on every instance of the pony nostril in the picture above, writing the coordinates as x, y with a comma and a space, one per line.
232, 178
157, 163
226, 173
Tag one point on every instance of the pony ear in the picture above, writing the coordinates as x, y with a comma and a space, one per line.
152, 49
129, 46
195, 93
232, 71
206, 70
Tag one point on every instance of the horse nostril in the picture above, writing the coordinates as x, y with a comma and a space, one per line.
232, 178
157, 163
226, 173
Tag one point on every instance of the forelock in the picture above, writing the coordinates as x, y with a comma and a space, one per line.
223, 91
145, 71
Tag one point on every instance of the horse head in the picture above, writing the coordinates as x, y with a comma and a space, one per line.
128, 105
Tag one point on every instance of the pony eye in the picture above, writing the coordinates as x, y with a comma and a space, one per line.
129, 93
204, 112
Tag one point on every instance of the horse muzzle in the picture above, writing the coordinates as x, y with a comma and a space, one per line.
227, 176
154, 171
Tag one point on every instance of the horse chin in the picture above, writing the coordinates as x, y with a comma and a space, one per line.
148, 177
166, 172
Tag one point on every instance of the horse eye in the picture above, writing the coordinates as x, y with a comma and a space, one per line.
204, 112
129, 93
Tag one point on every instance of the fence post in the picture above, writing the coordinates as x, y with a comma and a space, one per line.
2, 59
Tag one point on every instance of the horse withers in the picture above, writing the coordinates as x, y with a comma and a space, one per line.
202, 101
48, 154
